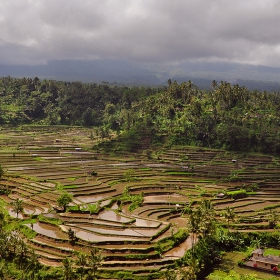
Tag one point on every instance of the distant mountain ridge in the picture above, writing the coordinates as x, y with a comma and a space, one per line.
131, 73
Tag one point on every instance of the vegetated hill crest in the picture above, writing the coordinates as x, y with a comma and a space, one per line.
132, 73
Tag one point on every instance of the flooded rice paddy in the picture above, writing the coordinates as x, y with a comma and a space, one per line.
159, 189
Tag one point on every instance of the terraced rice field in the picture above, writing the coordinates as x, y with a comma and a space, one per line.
43, 161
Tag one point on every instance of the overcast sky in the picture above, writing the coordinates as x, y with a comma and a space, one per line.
160, 31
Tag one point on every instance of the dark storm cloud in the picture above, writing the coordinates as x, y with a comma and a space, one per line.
36, 31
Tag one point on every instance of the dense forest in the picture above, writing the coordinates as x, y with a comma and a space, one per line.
227, 116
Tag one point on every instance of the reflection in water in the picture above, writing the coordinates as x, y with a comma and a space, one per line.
13, 214
110, 215
179, 251
93, 237
47, 230
146, 223
91, 198
119, 232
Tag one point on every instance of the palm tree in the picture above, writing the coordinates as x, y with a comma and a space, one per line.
229, 215
193, 269
68, 269
3, 217
194, 225
95, 260
207, 217
21, 252
17, 206
214, 83
1, 171
2, 270
33, 265
81, 262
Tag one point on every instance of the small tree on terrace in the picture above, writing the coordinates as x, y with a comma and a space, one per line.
64, 200
1, 171
17, 206
273, 219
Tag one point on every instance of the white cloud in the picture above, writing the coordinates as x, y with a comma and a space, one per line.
145, 30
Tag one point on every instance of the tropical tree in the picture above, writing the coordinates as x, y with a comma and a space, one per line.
208, 221
94, 262
3, 217
214, 84
170, 274
229, 215
1, 171
21, 252
192, 270
273, 219
194, 225
68, 271
3, 266
81, 262
17, 206
33, 265
64, 200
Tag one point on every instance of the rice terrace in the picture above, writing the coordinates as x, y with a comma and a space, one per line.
129, 210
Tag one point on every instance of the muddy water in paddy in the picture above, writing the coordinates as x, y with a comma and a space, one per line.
49, 231
28, 211
91, 198
146, 223
93, 237
179, 222
166, 198
181, 249
119, 232
13, 214
110, 215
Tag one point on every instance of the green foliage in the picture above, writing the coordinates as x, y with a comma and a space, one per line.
237, 194
28, 232
228, 116
135, 200
92, 208
168, 243
232, 275
64, 199
1, 171
50, 220
129, 175
17, 206
124, 275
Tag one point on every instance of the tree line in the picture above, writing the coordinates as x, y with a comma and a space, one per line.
227, 116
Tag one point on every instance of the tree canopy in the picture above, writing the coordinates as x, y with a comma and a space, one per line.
225, 116
64, 200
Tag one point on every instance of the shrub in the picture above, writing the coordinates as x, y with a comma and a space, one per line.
237, 194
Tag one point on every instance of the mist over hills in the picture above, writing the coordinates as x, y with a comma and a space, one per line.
131, 73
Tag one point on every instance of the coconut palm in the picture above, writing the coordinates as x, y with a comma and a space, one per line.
194, 225
229, 215
95, 261
33, 265
2, 269
81, 262
207, 217
68, 271
17, 206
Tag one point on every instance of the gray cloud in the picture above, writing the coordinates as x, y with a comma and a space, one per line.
34, 32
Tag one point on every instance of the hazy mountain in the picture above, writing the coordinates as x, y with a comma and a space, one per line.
126, 72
